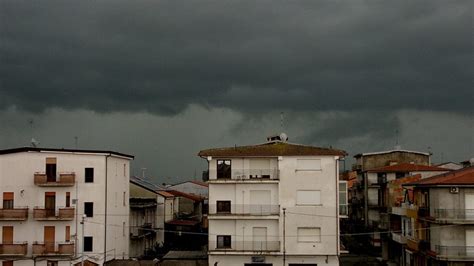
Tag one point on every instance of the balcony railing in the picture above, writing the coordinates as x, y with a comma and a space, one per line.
15, 214
413, 244
63, 180
399, 238
454, 214
455, 252
245, 209
53, 248
247, 174
13, 249
256, 246
61, 214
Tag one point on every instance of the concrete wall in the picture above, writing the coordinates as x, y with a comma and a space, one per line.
236, 260
380, 160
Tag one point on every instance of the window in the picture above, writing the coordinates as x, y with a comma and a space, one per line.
309, 234
308, 164
123, 228
88, 243
223, 242
52, 263
8, 200
51, 169
343, 198
124, 169
308, 197
68, 199
89, 209
89, 175
7, 263
224, 169
223, 206
124, 198
399, 175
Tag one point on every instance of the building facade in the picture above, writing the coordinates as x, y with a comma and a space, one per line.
47, 193
273, 204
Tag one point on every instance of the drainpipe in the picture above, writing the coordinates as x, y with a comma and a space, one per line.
284, 237
105, 216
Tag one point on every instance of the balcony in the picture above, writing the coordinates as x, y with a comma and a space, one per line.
399, 238
399, 211
413, 244
465, 253
247, 246
64, 180
61, 214
15, 214
142, 231
14, 249
246, 175
53, 249
245, 209
461, 216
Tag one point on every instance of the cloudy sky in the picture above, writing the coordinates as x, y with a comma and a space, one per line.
164, 79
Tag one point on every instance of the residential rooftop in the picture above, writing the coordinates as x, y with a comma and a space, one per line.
407, 167
461, 177
271, 149
390, 151
62, 150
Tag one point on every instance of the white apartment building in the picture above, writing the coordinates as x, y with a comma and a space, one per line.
273, 204
45, 193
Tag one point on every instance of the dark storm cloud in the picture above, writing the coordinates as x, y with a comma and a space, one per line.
162, 56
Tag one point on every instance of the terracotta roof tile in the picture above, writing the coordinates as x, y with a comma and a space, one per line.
271, 149
464, 176
407, 167
165, 194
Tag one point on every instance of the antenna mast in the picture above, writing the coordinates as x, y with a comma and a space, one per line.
282, 120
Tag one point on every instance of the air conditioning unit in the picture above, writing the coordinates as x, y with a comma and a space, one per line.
454, 190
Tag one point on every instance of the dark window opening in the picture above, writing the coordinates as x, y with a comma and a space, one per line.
399, 175
87, 243
223, 242
51, 172
89, 209
68, 199
224, 169
89, 175
223, 206
51, 263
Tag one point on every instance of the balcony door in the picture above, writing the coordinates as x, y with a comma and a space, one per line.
50, 203
51, 169
49, 238
469, 206
7, 235
259, 238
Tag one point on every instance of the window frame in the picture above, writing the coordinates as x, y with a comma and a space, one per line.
90, 241
226, 239
223, 203
89, 176
223, 173
91, 204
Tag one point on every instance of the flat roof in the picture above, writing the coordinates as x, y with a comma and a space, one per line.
390, 151
33, 149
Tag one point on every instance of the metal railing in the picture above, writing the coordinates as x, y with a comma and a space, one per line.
454, 214
15, 214
244, 209
61, 180
455, 252
61, 213
257, 246
246, 174
53, 248
14, 249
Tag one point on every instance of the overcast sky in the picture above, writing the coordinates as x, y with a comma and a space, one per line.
163, 79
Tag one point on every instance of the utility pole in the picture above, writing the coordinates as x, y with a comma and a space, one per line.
284, 236
82, 254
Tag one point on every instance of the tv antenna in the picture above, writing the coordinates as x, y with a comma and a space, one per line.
282, 120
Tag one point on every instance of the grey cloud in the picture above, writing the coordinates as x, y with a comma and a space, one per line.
163, 56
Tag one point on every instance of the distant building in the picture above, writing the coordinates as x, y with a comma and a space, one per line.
274, 203
147, 217
450, 165
192, 187
437, 221
47, 192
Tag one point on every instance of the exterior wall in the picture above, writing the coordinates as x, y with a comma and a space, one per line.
17, 175
380, 160
236, 260
441, 198
324, 215
191, 188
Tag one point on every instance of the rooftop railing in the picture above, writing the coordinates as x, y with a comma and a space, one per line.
246, 174
257, 246
244, 209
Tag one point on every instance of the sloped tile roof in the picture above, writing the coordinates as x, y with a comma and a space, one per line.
271, 149
464, 176
407, 167
185, 195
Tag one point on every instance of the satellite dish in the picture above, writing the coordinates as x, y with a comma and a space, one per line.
283, 137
